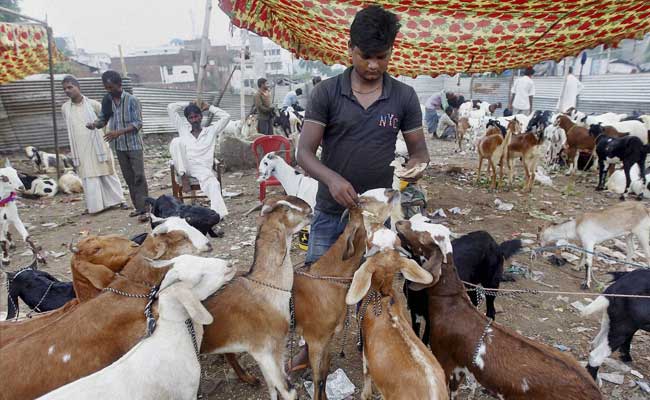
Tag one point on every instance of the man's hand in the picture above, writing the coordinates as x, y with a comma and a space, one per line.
343, 192
204, 106
112, 135
91, 125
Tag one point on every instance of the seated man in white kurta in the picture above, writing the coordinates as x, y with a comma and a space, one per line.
193, 150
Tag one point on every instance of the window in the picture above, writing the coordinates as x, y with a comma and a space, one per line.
170, 70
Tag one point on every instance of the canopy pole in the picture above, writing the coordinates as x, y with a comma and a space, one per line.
125, 73
53, 100
203, 60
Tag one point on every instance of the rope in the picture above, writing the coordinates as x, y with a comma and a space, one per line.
506, 292
539, 250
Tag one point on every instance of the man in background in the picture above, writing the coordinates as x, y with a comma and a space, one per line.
523, 92
570, 91
264, 107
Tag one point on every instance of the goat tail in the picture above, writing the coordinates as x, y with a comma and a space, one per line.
596, 306
509, 248
646, 147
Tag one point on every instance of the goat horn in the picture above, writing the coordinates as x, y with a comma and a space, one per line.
34, 263
256, 208
344, 215
404, 252
73, 248
373, 250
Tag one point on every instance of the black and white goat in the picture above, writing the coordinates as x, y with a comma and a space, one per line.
46, 162
479, 260
38, 289
202, 218
627, 149
622, 316
38, 186
539, 121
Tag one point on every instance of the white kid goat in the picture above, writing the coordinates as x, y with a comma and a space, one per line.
293, 182
165, 365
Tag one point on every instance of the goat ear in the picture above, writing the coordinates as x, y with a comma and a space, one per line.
170, 278
349, 246
98, 275
7, 163
160, 247
434, 267
192, 305
257, 207
161, 263
360, 284
414, 273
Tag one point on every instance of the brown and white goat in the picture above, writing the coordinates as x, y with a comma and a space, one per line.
251, 314
461, 130
504, 362
393, 356
84, 340
525, 146
494, 148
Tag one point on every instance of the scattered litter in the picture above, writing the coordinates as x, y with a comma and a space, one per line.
527, 242
338, 386
517, 269
528, 235
563, 298
501, 206
581, 329
231, 194
439, 213
572, 258
616, 379
562, 347
26, 253
541, 215
617, 365
455, 210
557, 261
236, 175
537, 275
541, 177
57, 255
49, 225
636, 373
233, 248
645, 386
578, 305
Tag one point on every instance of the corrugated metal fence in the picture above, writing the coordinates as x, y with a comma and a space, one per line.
602, 93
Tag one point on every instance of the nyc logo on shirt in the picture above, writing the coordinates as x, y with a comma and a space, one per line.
388, 120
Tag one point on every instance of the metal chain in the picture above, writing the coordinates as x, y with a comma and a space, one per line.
346, 326
344, 281
125, 294
481, 341
36, 309
14, 305
148, 314
372, 297
292, 329
190, 329
268, 285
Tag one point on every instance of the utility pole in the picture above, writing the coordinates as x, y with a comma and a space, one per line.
125, 73
242, 69
203, 61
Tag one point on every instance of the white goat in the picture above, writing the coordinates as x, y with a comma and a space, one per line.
616, 182
633, 128
627, 219
70, 183
584, 120
165, 365
10, 184
293, 182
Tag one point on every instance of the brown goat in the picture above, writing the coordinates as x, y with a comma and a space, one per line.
465, 342
525, 146
393, 356
80, 342
251, 314
494, 148
461, 130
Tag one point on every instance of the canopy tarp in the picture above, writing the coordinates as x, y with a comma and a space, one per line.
23, 51
446, 37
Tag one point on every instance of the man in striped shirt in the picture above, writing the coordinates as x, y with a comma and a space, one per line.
124, 121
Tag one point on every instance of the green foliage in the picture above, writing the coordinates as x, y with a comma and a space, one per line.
12, 5
316, 67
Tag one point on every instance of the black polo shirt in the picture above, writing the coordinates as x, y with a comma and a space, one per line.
359, 144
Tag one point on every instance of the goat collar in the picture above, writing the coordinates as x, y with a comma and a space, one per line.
4, 202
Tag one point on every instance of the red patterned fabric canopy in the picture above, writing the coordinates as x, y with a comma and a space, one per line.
446, 37
23, 51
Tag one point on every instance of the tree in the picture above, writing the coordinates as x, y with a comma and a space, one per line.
316, 66
12, 5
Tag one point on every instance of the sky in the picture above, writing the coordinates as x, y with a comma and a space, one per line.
99, 26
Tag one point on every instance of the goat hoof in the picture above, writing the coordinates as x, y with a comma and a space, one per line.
626, 358
622, 197
640, 197
584, 286
599, 189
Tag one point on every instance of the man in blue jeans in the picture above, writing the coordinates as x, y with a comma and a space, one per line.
357, 116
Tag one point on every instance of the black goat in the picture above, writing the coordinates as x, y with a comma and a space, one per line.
495, 123
539, 121
38, 289
479, 260
201, 218
622, 316
628, 149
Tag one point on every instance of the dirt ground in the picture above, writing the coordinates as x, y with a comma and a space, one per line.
550, 319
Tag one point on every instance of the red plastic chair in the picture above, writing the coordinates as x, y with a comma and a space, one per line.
266, 144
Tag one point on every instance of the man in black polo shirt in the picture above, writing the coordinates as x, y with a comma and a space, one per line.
357, 116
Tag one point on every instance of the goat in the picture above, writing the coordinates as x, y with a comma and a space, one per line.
471, 344
525, 146
585, 121
173, 346
293, 182
616, 182
555, 137
94, 255
46, 162
39, 290
628, 149
589, 229
202, 218
84, 340
393, 356
38, 186
478, 260
494, 147
462, 129
539, 121
10, 184
622, 317
632, 128
577, 138
252, 313
70, 183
